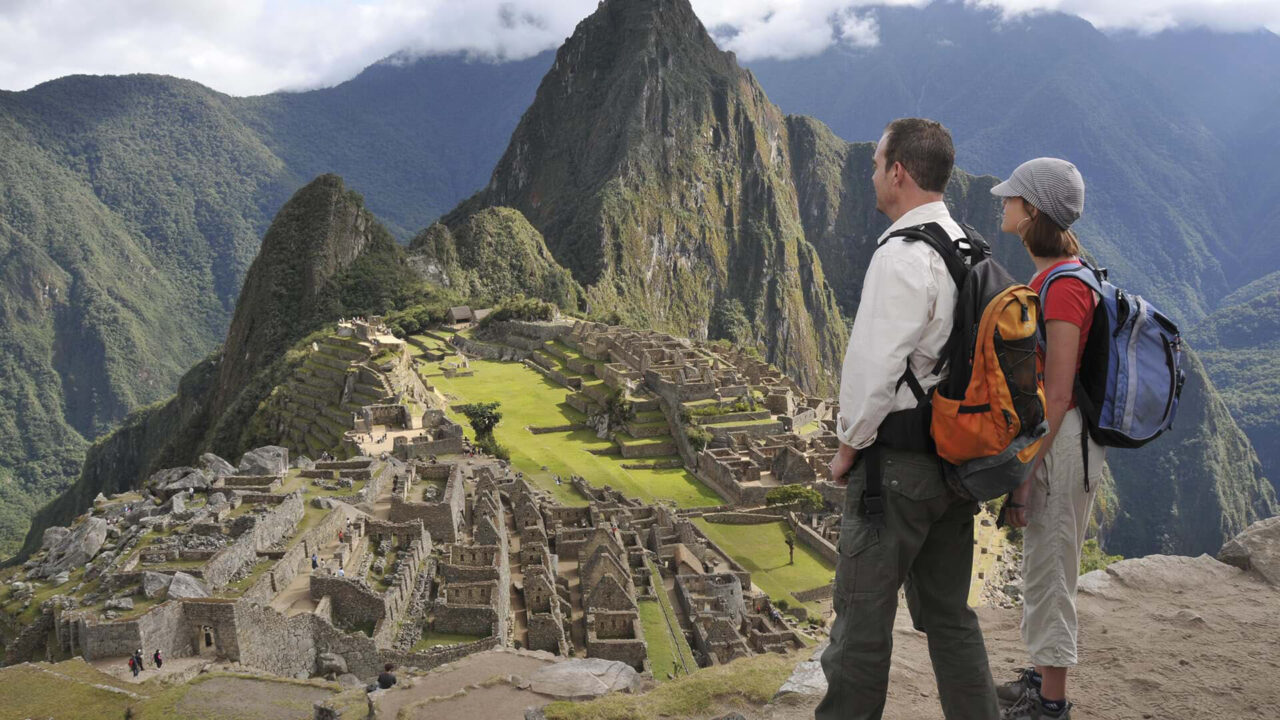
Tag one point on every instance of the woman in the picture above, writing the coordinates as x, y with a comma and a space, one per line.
1042, 199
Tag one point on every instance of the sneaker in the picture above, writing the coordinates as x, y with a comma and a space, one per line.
1015, 690
1030, 708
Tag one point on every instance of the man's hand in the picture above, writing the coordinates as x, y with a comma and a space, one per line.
1015, 508
842, 463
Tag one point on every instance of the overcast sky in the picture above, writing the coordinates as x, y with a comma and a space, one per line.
248, 47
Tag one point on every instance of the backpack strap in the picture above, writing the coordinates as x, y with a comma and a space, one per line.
1087, 274
1092, 277
958, 263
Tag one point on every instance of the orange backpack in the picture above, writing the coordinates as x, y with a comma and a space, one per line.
986, 419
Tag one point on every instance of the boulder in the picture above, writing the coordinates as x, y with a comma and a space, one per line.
1257, 549
330, 664
186, 586
119, 604
99, 565
302, 462
154, 583
166, 483
215, 467
61, 578
584, 679
160, 478
99, 499
350, 681
53, 536
266, 460
73, 549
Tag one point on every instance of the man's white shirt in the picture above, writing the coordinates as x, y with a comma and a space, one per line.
905, 315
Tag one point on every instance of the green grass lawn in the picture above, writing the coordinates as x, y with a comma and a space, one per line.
529, 399
762, 550
741, 423
658, 641
431, 639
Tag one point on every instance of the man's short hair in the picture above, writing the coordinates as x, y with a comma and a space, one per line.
388, 667
925, 150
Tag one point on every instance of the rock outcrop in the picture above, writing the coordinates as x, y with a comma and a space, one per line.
1257, 549
583, 679
72, 549
266, 460
186, 586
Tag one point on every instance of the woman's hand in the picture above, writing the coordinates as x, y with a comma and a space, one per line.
1015, 508
841, 464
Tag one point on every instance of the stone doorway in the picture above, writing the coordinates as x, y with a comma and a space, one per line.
206, 641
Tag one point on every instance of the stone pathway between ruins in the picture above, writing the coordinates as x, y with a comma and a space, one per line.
118, 667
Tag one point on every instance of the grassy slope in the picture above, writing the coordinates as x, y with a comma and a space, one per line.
530, 399
81, 694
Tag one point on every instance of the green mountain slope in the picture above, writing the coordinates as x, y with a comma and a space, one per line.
1240, 345
130, 208
491, 255
119, 266
324, 256
658, 173
1194, 487
838, 209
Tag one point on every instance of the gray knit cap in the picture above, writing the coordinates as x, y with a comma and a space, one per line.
1052, 185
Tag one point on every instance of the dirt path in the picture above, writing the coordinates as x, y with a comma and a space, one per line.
244, 699
1160, 638
484, 702
118, 668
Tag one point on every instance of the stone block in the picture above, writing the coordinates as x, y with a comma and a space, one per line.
186, 586
267, 460
154, 583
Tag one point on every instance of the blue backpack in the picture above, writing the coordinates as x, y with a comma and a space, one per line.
1131, 376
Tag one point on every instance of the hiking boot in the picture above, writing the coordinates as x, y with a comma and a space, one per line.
1030, 708
1011, 692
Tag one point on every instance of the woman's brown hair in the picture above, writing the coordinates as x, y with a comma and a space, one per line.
1044, 238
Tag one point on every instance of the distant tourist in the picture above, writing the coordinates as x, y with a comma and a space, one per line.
341, 572
315, 561
137, 659
133, 665
159, 661
387, 678
899, 508
1042, 198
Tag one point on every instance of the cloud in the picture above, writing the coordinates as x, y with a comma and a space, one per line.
1151, 16
247, 47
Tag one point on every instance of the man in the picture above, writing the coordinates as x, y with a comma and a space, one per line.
914, 531
387, 678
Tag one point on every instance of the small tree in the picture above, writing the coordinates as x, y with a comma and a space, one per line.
790, 537
806, 499
484, 417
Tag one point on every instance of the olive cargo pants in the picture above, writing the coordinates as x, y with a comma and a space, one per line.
926, 544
